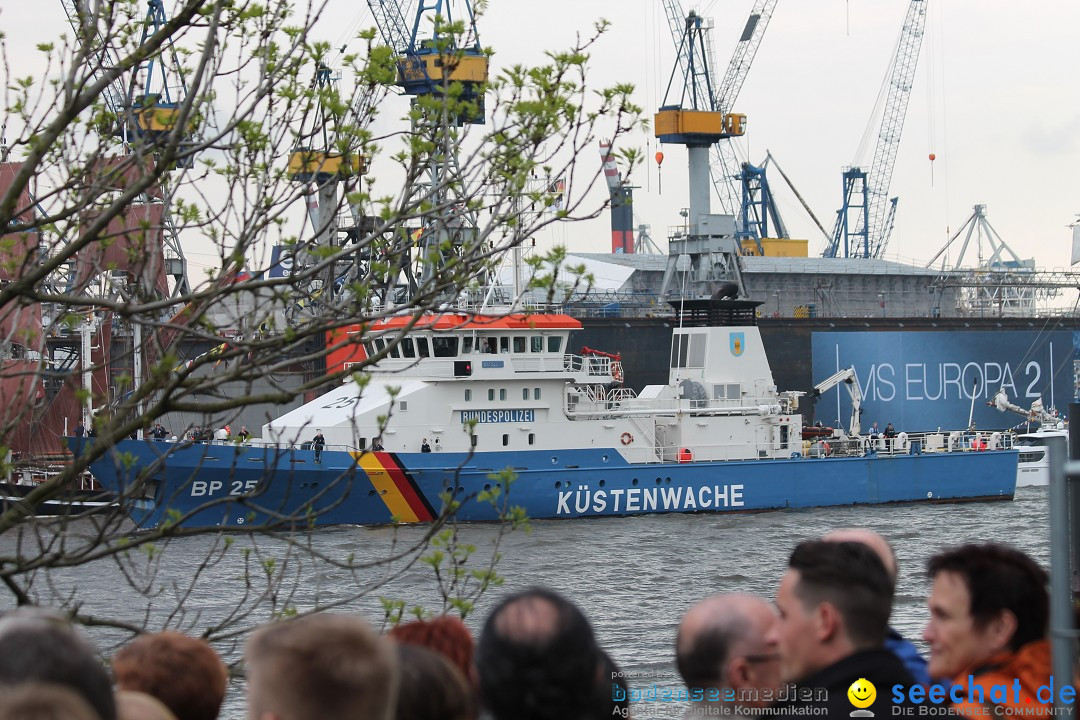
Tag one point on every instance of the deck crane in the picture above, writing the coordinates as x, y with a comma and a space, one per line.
851, 381
143, 120
428, 65
726, 170
1037, 413
865, 221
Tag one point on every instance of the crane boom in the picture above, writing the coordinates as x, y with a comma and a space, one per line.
1037, 413
892, 123
726, 168
864, 223
851, 380
103, 56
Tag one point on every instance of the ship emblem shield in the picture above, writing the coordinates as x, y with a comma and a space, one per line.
738, 343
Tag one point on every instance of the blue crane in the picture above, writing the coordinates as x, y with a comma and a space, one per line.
865, 221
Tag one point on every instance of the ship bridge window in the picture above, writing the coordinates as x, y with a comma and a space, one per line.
422, 347
536, 344
520, 344
408, 348
489, 345
688, 350
504, 345
395, 350
554, 343
445, 346
466, 345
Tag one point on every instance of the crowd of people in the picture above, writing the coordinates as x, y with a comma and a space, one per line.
824, 647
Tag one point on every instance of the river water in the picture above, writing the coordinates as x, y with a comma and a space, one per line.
633, 577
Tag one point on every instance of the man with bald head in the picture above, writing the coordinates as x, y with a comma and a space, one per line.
894, 641
538, 659
723, 656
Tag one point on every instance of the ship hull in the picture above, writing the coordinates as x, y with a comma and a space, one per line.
227, 485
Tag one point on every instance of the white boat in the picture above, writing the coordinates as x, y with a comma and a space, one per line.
458, 406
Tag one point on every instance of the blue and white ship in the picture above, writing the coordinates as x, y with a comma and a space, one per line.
458, 408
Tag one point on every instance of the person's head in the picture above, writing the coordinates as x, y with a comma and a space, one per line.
985, 600
320, 666
834, 600
444, 634
132, 705
43, 701
181, 671
872, 540
40, 646
537, 658
431, 687
722, 643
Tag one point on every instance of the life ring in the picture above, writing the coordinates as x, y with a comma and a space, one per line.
626, 438
617, 374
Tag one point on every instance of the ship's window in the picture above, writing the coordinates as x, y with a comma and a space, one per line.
466, 345
475, 440
502, 393
696, 358
536, 393
678, 350
403, 405
506, 440
1027, 457
524, 393
491, 394
468, 395
536, 343
532, 438
504, 345
783, 437
519, 344
490, 345
422, 347
445, 346
363, 442
408, 349
395, 351
734, 391
369, 349
554, 343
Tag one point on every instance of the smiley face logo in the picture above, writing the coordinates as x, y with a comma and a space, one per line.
862, 693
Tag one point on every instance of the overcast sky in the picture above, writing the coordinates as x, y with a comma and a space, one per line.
995, 99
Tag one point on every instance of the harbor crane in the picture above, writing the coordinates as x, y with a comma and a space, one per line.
725, 169
865, 221
689, 116
851, 381
431, 66
145, 121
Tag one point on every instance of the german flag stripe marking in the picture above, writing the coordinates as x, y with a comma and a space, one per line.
408, 488
385, 486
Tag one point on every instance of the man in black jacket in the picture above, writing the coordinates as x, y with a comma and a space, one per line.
834, 604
